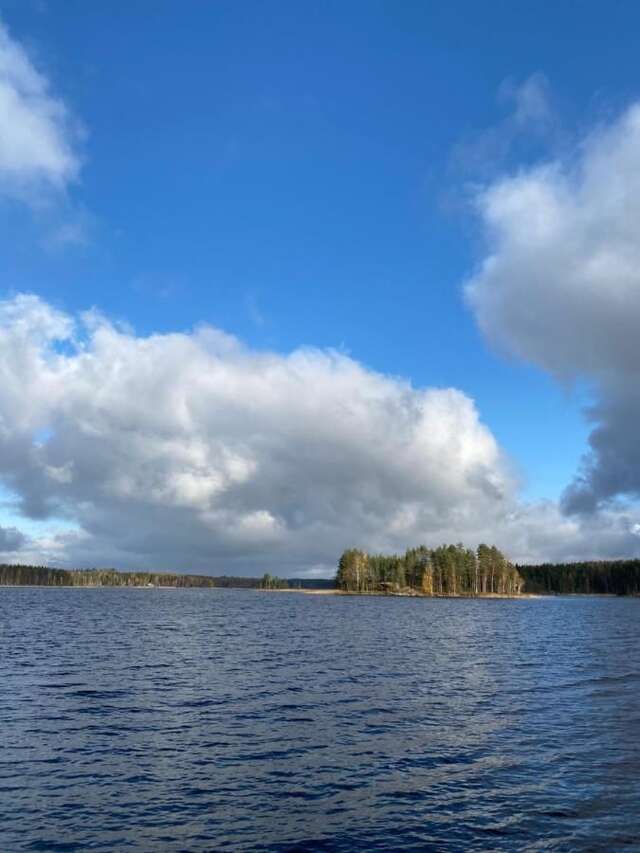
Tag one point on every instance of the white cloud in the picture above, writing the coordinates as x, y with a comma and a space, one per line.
37, 132
192, 447
560, 287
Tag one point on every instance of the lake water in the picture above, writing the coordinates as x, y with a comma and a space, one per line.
221, 719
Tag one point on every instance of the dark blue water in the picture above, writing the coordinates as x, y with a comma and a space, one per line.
213, 719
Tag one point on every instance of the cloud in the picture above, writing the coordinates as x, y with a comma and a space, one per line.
530, 101
560, 287
529, 121
37, 132
11, 540
192, 452
190, 448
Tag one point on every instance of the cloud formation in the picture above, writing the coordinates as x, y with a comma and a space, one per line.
37, 132
192, 448
560, 287
192, 452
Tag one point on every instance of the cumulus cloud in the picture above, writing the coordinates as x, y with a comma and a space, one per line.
193, 452
37, 132
560, 288
189, 449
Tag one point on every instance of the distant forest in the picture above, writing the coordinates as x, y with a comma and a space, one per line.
44, 576
447, 570
605, 577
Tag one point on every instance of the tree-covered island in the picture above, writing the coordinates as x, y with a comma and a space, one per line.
450, 570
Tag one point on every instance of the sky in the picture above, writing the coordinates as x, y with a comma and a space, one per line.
283, 278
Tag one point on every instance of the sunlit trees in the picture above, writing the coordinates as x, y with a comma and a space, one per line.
353, 571
446, 570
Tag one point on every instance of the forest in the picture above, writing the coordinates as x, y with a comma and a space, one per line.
43, 576
447, 570
12, 575
604, 577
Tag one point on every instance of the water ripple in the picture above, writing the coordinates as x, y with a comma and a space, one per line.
232, 720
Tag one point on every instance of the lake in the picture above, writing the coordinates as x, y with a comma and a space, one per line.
148, 719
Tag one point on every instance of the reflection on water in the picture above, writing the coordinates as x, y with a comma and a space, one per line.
222, 719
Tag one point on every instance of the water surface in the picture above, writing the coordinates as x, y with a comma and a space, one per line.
148, 719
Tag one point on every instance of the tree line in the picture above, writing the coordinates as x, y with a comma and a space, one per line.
604, 577
22, 575
44, 576
447, 570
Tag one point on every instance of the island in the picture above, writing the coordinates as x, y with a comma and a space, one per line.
454, 571
449, 570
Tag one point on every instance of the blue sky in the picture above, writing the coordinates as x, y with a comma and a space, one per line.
303, 174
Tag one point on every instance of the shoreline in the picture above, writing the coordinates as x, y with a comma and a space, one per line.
340, 592
494, 595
